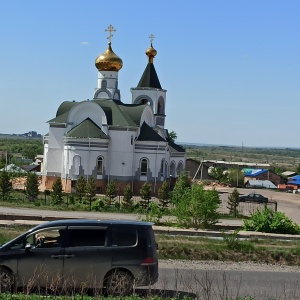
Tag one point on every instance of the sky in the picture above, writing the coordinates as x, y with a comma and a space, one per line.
231, 68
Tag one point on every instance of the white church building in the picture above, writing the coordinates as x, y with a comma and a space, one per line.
107, 139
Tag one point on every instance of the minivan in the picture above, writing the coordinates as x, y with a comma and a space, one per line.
110, 255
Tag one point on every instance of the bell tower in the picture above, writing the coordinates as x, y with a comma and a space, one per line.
149, 90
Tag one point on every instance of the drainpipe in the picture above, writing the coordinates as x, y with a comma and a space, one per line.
155, 178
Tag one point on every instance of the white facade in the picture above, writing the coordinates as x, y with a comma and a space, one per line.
109, 140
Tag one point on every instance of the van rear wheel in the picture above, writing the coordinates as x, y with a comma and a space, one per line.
6, 281
119, 283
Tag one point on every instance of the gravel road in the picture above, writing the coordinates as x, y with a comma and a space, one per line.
225, 266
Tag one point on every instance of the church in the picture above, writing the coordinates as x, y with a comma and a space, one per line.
109, 140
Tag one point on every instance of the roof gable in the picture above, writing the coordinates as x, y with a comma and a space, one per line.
87, 129
149, 134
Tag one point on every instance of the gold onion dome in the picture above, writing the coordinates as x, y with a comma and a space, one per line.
151, 52
108, 61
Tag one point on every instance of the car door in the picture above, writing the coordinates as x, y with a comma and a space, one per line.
41, 264
87, 257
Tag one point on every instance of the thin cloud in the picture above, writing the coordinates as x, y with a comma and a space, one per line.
84, 43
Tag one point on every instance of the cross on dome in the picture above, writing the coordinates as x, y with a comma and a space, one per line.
151, 37
110, 29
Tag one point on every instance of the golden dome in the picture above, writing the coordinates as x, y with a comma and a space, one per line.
108, 61
151, 52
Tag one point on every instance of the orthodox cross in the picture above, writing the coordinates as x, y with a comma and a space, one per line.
151, 37
111, 29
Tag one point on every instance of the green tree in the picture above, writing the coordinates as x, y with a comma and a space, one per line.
146, 194
197, 208
80, 188
218, 174
173, 136
164, 194
5, 185
182, 183
236, 177
298, 169
233, 202
111, 191
32, 186
127, 198
91, 190
57, 191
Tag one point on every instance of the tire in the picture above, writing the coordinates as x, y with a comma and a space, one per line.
6, 281
119, 283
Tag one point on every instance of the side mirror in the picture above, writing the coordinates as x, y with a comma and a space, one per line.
28, 247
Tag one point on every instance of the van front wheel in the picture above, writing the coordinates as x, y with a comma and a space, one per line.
6, 281
119, 283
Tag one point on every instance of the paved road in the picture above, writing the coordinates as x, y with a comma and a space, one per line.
218, 284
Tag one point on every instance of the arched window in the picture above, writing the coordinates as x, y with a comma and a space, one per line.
172, 169
76, 163
100, 165
144, 167
179, 168
162, 168
103, 84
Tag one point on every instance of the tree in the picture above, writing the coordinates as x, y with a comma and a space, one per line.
173, 136
164, 194
197, 208
298, 169
146, 194
233, 202
111, 191
127, 198
5, 184
236, 177
91, 189
57, 192
32, 186
218, 174
182, 183
80, 188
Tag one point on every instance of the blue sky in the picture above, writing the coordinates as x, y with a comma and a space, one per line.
231, 68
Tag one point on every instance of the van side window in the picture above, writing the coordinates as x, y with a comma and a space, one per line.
87, 237
122, 236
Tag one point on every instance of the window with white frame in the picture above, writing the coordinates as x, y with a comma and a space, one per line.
76, 163
100, 165
144, 167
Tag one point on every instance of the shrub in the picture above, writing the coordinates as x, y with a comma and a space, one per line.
271, 221
197, 207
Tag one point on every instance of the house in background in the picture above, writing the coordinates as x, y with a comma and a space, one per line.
263, 184
262, 174
295, 180
197, 170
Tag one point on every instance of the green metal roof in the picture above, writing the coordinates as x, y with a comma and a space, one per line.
60, 119
87, 129
118, 114
65, 107
149, 78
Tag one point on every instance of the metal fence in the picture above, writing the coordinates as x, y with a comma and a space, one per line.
246, 208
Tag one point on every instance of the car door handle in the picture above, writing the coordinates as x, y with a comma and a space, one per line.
69, 256
57, 256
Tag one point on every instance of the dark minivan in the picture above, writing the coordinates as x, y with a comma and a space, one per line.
68, 254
